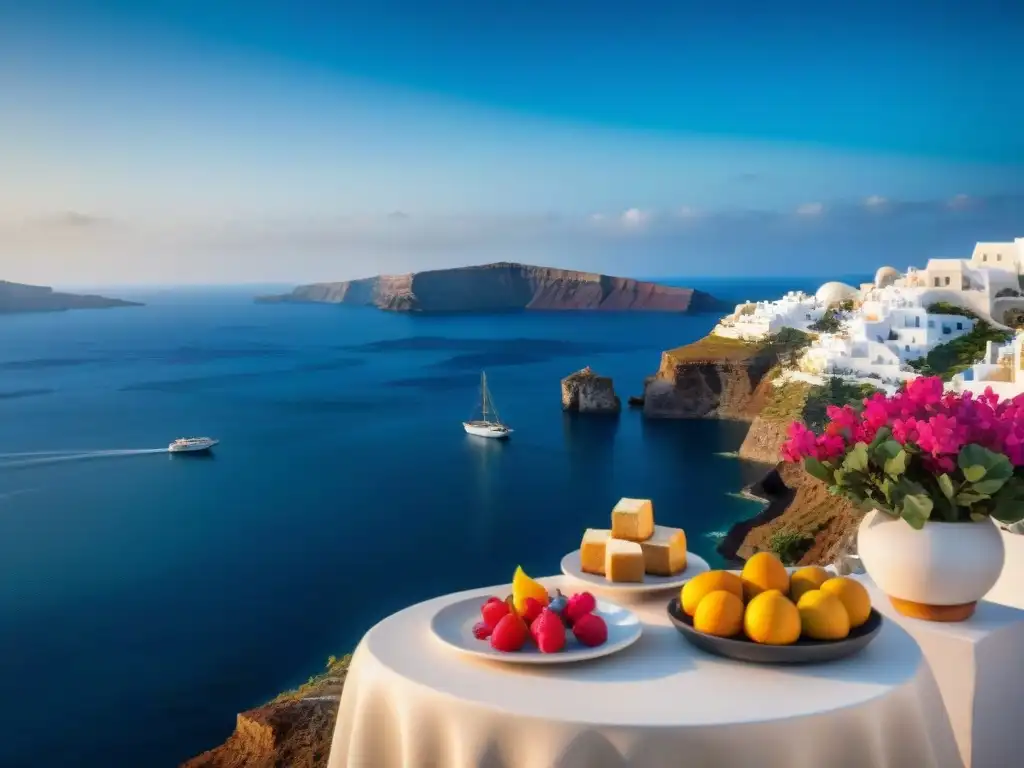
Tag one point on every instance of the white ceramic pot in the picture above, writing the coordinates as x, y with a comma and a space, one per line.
943, 564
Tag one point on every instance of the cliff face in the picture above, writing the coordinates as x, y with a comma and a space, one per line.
293, 731
16, 297
713, 377
503, 287
586, 392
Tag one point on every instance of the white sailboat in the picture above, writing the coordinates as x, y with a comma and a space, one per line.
489, 424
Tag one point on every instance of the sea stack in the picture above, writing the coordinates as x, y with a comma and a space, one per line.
586, 392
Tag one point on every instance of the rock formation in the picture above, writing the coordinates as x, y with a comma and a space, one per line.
16, 297
293, 731
712, 377
503, 287
586, 392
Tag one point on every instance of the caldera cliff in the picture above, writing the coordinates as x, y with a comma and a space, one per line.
503, 287
17, 297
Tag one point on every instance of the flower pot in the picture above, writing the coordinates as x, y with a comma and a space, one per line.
938, 573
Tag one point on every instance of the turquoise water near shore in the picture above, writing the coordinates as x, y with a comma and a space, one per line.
146, 598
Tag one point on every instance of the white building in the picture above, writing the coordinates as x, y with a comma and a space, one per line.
1000, 369
756, 320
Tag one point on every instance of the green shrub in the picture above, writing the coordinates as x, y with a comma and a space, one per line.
949, 359
789, 546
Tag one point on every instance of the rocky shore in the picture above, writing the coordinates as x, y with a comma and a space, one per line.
503, 287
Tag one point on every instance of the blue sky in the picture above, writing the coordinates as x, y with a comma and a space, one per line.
182, 141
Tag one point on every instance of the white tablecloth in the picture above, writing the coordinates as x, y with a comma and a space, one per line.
410, 701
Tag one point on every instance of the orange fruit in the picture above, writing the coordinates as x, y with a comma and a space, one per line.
705, 583
822, 616
523, 587
806, 579
854, 597
771, 619
762, 572
719, 613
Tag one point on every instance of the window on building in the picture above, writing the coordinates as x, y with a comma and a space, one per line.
931, 323
984, 257
947, 281
917, 322
959, 326
936, 282
906, 348
999, 257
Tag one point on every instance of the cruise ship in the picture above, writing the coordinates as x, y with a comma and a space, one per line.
192, 444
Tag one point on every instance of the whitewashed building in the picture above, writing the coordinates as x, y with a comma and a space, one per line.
756, 320
1000, 369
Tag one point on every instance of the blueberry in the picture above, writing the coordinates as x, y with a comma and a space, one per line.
558, 603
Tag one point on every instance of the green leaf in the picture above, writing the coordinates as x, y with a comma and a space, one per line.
999, 469
883, 434
816, 469
966, 498
857, 458
944, 509
897, 465
917, 508
974, 473
946, 485
988, 486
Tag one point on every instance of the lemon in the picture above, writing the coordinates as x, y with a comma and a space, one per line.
523, 587
762, 572
719, 613
811, 577
703, 583
772, 619
822, 616
853, 596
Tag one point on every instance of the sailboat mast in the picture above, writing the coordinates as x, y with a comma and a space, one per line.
483, 395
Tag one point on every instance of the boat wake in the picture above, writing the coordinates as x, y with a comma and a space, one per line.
37, 458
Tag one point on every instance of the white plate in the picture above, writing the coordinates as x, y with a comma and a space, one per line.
694, 564
453, 626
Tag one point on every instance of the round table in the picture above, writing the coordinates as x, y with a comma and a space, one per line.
410, 701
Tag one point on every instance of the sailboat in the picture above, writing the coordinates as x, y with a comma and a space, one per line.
489, 424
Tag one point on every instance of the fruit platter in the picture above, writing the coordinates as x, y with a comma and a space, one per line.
534, 626
765, 614
633, 555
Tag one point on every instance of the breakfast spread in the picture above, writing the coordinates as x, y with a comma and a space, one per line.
766, 604
530, 614
634, 547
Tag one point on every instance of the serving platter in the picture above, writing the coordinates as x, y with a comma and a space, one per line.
803, 651
695, 564
453, 626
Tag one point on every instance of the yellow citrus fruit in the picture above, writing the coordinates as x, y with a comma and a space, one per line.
772, 619
719, 613
806, 579
822, 616
523, 587
703, 583
853, 596
762, 572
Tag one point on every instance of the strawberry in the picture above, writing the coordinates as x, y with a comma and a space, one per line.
493, 611
579, 605
510, 633
590, 630
548, 632
531, 609
481, 631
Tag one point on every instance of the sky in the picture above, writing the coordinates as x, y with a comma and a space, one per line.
176, 141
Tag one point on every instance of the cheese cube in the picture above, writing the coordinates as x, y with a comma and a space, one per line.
592, 550
665, 551
623, 561
633, 520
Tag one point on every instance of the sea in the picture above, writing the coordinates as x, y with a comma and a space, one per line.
146, 598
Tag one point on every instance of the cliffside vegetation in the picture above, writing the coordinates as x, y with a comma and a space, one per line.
949, 359
800, 401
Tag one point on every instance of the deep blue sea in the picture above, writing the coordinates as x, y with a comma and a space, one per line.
146, 598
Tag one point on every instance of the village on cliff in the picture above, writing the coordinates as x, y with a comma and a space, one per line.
884, 332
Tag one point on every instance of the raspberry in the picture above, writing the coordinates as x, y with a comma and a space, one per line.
481, 631
590, 630
493, 611
579, 605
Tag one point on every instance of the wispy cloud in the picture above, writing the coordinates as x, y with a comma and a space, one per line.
636, 218
875, 202
810, 209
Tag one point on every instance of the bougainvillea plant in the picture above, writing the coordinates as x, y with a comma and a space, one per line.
921, 454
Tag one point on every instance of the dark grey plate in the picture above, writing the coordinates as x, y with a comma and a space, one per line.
801, 652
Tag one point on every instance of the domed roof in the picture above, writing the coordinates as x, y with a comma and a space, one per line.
834, 292
886, 276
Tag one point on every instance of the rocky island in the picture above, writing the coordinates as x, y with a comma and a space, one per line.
503, 287
586, 392
16, 297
